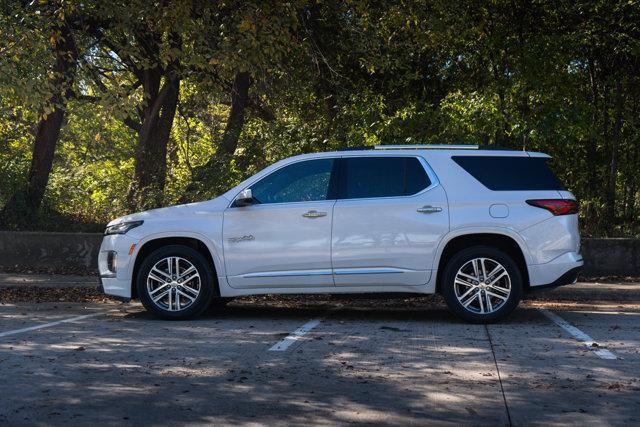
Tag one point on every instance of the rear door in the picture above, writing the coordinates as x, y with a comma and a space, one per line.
388, 220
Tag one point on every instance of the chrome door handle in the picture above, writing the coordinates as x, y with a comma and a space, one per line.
430, 209
314, 214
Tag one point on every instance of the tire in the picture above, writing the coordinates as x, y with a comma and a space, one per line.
481, 301
180, 301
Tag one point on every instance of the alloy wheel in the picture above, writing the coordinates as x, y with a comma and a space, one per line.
173, 283
482, 285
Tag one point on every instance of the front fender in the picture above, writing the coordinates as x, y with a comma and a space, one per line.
214, 249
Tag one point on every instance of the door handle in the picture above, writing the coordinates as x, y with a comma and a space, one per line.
314, 214
430, 209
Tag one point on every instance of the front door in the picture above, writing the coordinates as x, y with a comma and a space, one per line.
284, 238
387, 222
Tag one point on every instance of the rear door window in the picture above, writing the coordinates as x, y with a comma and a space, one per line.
506, 173
366, 177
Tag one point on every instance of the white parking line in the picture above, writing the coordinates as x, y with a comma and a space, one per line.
295, 335
48, 325
579, 335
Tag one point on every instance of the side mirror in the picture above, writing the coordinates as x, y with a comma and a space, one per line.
245, 198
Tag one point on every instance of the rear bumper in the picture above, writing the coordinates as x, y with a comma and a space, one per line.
559, 270
568, 278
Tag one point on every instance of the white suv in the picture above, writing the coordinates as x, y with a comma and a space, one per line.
481, 227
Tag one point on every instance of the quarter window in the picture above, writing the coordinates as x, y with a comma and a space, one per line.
300, 182
364, 177
508, 173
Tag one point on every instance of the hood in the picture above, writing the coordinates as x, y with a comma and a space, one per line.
216, 205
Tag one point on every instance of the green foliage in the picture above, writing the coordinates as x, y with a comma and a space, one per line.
563, 78
15, 134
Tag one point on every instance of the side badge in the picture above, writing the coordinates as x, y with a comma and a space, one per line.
246, 238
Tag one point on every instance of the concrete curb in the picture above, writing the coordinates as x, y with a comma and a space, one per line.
47, 281
78, 253
51, 251
590, 291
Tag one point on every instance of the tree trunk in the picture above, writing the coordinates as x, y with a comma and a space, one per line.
211, 177
235, 122
147, 188
25, 203
613, 163
591, 143
634, 164
157, 115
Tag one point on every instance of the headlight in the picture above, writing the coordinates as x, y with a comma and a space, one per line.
122, 227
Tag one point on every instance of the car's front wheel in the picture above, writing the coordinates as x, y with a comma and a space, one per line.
482, 284
175, 282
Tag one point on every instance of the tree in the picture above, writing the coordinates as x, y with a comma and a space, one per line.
138, 67
178, 100
251, 46
52, 18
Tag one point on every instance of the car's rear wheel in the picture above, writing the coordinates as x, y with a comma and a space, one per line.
482, 284
175, 282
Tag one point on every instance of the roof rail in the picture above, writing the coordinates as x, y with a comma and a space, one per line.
356, 148
427, 147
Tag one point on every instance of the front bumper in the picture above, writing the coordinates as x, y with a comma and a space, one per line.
115, 297
117, 283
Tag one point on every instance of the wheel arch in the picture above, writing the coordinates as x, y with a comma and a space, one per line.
152, 243
505, 241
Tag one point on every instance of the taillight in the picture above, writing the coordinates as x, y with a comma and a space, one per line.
556, 206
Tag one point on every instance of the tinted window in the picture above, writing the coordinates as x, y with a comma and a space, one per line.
417, 179
510, 173
382, 177
299, 182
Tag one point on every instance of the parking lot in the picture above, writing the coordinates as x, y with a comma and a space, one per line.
335, 361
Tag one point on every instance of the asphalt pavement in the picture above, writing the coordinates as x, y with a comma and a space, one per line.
340, 362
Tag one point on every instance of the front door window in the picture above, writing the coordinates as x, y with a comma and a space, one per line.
300, 182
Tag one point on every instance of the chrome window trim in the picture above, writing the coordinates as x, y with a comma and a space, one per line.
425, 165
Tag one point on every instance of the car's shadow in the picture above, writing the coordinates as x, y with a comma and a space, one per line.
340, 309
